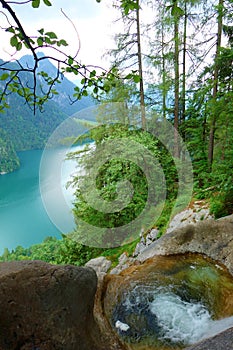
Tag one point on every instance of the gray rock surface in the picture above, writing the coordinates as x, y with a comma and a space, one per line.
101, 265
213, 238
197, 212
222, 341
146, 241
124, 262
47, 307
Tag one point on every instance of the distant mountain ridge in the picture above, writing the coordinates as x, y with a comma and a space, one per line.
28, 131
21, 130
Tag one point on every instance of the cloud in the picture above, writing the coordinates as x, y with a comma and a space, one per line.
92, 21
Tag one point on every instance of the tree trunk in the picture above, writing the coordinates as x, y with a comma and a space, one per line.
177, 81
164, 93
142, 95
183, 105
215, 86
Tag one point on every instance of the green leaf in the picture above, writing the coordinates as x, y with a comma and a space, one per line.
40, 41
35, 3
21, 92
70, 60
10, 30
47, 40
136, 79
93, 74
129, 76
19, 46
4, 76
51, 35
107, 88
177, 11
169, 7
41, 31
95, 90
47, 3
62, 42
26, 45
14, 41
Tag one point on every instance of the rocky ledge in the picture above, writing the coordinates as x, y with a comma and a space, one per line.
48, 307
45, 307
213, 238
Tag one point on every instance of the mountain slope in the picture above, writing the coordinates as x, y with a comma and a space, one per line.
29, 131
8, 158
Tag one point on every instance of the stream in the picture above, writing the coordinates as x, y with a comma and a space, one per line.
170, 302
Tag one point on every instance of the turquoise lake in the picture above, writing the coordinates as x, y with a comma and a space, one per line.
23, 217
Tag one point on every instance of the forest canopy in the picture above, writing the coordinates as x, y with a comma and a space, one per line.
176, 66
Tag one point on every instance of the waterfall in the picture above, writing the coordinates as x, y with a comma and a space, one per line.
185, 322
171, 302
218, 326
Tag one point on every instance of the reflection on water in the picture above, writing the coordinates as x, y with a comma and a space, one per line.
23, 218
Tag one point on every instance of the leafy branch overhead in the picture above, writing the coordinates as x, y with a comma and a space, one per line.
38, 91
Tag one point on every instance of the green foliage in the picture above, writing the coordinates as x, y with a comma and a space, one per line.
202, 108
129, 5
29, 131
71, 252
53, 250
64, 251
36, 3
113, 254
49, 38
221, 204
165, 217
116, 170
8, 157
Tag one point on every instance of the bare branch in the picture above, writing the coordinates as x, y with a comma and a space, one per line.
19, 3
76, 31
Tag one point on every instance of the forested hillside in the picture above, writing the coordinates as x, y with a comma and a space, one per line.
8, 157
29, 131
172, 65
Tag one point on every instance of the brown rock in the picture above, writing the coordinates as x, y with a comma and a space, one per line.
47, 307
213, 238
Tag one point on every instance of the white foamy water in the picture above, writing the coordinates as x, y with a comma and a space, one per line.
122, 326
218, 326
183, 321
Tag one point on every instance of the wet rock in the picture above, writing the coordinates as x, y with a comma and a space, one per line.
186, 287
222, 341
47, 307
213, 238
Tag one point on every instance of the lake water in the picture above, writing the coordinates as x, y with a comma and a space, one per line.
23, 217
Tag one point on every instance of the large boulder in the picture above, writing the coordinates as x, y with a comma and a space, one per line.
213, 238
47, 307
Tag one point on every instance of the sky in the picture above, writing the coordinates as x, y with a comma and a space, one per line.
93, 22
